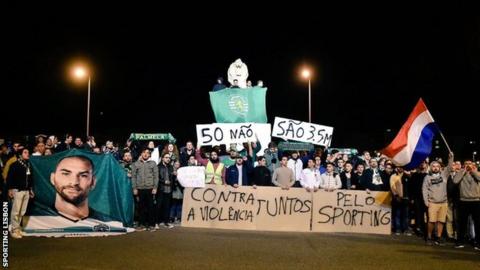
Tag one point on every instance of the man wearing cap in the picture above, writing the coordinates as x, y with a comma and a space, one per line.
232, 158
237, 174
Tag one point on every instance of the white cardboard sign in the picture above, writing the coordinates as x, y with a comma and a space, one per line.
289, 129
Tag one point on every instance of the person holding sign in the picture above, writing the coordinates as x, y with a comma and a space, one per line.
283, 176
310, 178
330, 180
214, 169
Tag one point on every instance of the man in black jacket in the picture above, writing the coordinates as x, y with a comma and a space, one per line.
186, 152
261, 174
373, 179
164, 196
416, 197
19, 185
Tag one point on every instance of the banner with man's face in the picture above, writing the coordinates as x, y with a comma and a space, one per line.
79, 193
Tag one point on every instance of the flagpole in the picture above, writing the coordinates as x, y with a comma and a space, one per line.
445, 141
441, 134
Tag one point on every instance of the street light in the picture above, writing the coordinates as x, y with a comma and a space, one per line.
80, 72
306, 75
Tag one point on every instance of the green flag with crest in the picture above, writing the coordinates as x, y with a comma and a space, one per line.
239, 105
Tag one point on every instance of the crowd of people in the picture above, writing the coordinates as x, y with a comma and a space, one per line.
424, 200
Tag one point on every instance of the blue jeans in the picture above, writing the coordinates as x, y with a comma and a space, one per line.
176, 209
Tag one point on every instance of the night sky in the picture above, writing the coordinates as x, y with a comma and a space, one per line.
153, 73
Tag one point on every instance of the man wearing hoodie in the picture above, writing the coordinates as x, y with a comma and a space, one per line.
469, 180
434, 192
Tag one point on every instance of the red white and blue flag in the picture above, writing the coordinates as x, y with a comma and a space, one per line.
413, 143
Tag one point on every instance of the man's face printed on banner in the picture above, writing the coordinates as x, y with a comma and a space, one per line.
73, 179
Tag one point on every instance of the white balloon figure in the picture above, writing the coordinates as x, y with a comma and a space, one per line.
238, 71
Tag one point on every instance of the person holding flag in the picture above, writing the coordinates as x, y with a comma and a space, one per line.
413, 143
411, 146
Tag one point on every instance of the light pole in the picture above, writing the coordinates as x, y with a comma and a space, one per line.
80, 72
306, 74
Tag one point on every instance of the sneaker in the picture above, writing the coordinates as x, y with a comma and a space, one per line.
397, 233
459, 245
157, 227
168, 225
407, 233
477, 247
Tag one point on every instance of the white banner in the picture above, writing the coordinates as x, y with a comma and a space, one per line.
302, 131
223, 133
274, 209
191, 176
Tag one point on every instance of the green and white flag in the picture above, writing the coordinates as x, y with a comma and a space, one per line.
239, 105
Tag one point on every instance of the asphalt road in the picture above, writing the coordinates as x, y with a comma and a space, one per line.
187, 248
